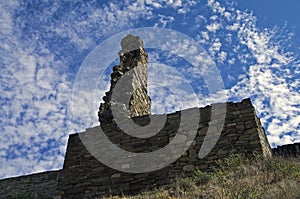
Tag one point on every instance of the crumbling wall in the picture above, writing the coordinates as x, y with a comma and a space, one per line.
83, 176
128, 82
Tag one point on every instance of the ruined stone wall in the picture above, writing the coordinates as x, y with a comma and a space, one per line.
83, 176
128, 83
34, 186
289, 150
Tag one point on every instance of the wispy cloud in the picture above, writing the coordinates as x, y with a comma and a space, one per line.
35, 80
270, 72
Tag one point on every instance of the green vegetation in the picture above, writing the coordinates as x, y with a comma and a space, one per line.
236, 177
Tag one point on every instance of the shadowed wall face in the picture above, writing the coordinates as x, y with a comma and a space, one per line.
241, 133
34, 186
128, 93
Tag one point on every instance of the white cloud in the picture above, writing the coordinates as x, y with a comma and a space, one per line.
213, 27
205, 35
164, 20
169, 90
6, 19
227, 15
282, 112
215, 47
176, 4
270, 71
216, 6
154, 4
221, 56
233, 27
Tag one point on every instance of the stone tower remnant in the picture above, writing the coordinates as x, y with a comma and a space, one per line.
128, 90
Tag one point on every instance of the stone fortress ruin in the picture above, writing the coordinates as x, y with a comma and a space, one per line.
84, 176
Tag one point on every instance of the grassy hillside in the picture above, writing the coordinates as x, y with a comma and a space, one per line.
236, 177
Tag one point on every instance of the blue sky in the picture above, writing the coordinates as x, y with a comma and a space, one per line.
254, 44
275, 13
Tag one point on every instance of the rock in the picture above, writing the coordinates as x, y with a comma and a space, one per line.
189, 168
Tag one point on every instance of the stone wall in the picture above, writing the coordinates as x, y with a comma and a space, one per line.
289, 150
83, 176
34, 186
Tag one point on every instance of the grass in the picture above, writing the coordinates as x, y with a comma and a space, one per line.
235, 177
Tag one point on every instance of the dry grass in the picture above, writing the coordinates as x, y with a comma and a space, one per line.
236, 177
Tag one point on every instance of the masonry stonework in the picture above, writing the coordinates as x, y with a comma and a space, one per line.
40, 185
289, 150
83, 176
131, 78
